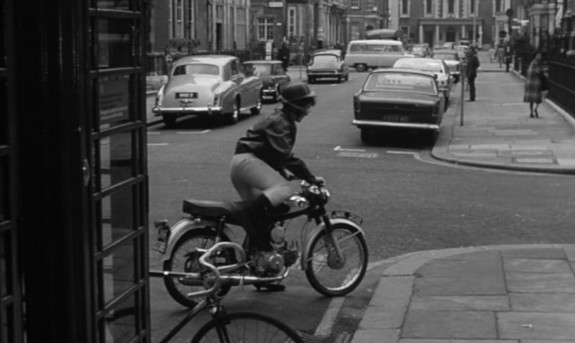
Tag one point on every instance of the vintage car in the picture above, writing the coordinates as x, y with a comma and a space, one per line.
327, 64
210, 85
433, 65
420, 50
453, 61
396, 99
271, 73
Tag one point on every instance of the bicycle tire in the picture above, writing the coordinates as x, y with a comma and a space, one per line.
327, 277
246, 327
180, 262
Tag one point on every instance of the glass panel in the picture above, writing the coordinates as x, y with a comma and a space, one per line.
3, 111
117, 216
117, 270
114, 4
116, 159
114, 43
4, 190
114, 100
120, 325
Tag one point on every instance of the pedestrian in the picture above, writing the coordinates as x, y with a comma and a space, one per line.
471, 71
535, 84
284, 55
261, 159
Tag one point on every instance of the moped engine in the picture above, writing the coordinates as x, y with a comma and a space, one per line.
268, 263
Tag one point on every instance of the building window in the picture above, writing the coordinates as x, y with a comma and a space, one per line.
498, 6
179, 22
471, 6
241, 31
404, 6
371, 5
292, 32
428, 6
354, 4
450, 6
191, 16
265, 29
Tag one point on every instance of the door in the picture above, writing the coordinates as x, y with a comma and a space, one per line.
116, 122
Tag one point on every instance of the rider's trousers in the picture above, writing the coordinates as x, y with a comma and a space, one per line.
253, 177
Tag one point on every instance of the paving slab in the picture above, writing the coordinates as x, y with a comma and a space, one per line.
540, 283
461, 303
450, 324
552, 303
527, 325
528, 265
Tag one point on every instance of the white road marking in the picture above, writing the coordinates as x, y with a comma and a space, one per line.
339, 148
402, 152
192, 132
158, 144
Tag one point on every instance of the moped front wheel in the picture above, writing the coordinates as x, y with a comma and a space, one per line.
334, 275
185, 258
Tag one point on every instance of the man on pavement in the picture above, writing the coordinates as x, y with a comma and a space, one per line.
472, 66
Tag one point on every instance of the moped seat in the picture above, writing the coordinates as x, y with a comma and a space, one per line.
212, 208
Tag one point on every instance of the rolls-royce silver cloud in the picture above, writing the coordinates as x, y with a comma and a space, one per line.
211, 85
399, 100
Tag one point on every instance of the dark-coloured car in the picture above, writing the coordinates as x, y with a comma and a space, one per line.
453, 61
272, 74
398, 100
327, 64
211, 85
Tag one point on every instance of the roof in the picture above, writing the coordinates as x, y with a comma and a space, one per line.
212, 59
402, 70
376, 41
263, 62
328, 52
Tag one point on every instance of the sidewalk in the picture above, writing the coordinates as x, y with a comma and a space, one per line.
497, 131
507, 294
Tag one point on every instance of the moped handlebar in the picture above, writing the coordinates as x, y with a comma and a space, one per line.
213, 269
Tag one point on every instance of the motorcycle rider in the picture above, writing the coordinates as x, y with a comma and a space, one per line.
261, 158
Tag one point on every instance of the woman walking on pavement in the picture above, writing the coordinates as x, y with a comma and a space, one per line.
535, 84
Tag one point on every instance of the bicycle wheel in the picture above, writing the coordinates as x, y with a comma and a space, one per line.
246, 327
325, 273
184, 258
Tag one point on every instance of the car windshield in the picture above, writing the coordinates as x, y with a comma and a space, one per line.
400, 82
324, 59
260, 69
449, 57
428, 65
196, 69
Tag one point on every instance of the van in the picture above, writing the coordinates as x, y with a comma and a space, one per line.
374, 53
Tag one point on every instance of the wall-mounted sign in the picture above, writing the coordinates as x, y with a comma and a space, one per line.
276, 4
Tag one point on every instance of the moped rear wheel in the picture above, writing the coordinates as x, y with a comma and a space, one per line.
184, 258
330, 275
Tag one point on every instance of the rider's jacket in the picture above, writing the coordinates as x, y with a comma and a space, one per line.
272, 140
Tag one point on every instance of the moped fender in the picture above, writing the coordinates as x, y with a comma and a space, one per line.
317, 230
188, 224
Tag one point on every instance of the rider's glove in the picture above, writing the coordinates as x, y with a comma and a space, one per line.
319, 181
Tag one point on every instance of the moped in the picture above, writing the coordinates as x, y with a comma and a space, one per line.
333, 251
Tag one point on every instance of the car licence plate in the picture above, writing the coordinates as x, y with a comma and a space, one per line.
187, 95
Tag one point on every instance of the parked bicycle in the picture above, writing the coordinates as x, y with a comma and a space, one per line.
226, 327
333, 248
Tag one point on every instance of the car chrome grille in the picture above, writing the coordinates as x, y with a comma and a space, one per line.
394, 113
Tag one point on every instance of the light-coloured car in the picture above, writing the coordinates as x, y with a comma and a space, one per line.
421, 50
272, 74
327, 64
398, 100
433, 65
453, 61
374, 53
210, 85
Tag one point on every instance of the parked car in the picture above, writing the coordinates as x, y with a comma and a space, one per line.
272, 74
327, 64
398, 99
211, 85
421, 50
374, 53
453, 61
436, 66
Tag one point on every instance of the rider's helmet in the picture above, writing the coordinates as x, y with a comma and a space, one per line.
297, 93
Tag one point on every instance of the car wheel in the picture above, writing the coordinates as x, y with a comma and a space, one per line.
361, 68
257, 108
169, 121
233, 117
310, 80
339, 79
